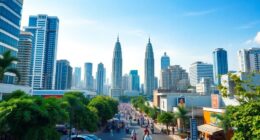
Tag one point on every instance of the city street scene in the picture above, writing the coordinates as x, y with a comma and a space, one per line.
129, 70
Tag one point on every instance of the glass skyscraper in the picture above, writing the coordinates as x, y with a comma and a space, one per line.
100, 78
134, 80
165, 61
88, 76
43, 61
10, 17
220, 65
63, 75
149, 70
249, 60
24, 55
77, 78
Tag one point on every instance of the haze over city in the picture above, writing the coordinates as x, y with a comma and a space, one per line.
187, 30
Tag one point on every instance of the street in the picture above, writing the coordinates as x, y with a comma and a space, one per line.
139, 130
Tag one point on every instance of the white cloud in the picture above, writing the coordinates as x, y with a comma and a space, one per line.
257, 38
200, 13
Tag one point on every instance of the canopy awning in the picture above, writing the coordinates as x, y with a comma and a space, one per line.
209, 129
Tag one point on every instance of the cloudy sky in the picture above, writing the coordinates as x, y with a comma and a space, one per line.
188, 30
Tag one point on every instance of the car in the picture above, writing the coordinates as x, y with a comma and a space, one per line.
85, 137
61, 129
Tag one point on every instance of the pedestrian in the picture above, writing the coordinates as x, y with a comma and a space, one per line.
147, 137
133, 134
111, 132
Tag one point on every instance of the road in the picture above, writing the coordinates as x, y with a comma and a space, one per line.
139, 130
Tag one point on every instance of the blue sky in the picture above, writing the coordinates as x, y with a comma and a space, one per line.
188, 30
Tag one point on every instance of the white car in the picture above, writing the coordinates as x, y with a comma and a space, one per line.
85, 137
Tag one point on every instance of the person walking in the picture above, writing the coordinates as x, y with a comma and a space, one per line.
133, 135
147, 137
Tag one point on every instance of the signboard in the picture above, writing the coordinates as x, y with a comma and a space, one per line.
215, 101
181, 101
193, 129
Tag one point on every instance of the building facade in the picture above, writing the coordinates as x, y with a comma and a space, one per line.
77, 78
63, 75
88, 78
249, 60
220, 64
125, 82
199, 70
165, 61
134, 80
100, 79
44, 50
174, 78
24, 55
10, 19
149, 70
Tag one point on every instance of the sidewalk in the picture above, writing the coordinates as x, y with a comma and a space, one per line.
174, 137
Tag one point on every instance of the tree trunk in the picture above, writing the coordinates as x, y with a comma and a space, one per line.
167, 129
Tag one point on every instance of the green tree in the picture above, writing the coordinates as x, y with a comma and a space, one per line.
181, 114
15, 94
153, 112
31, 118
5, 65
80, 116
166, 118
243, 119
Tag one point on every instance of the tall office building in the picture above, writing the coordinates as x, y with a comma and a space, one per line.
100, 78
149, 70
174, 78
24, 55
44, 50
63, 75
116, 89
134, 80
156, 85
77, 78
199, 70
88, 76
249, 60
10, 17
165, 61
220, 65
125, 82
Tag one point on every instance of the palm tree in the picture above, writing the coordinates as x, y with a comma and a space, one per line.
181, 114
5, 65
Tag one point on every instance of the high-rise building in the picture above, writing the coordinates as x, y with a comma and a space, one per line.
125, 82
149, 70
220, 65
63, 75
165, 61
24, 55
77, 78
156, 85
10, 17
44, 50
174, 78
100, 78
88, 76
116, 89
200, 70
134, 80
249, 60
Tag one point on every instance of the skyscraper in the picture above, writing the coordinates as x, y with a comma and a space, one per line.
100, 78
116, 90
63, 75
220, 66
134, 80
44, 50
77, 78
88, 76
10, 17
249, 60
24, 55
199, 70
149, 70
125, 82
165, 61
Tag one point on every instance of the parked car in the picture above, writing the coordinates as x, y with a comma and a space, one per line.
85, 137
61, 128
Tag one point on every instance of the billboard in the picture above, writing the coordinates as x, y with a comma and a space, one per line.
215, 101
181, 101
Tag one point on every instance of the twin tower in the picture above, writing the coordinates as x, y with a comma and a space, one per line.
116, 89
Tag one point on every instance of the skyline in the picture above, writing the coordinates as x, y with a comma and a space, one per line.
179, 28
